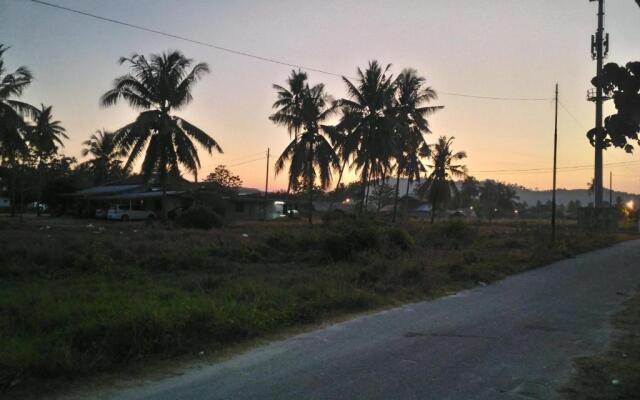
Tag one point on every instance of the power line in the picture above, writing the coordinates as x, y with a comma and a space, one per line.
244, 157
183, 38
495, 98
573, 116
566, 168
254, 56
246, 162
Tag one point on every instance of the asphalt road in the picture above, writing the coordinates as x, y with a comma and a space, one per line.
510, 340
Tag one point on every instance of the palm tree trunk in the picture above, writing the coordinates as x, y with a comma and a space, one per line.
405, 211
365, 180
310, 182
22, 190
295, 139
13, 190
433, 212
163, 201
395, 197
366, 194
39, 196
344, 163
165, 213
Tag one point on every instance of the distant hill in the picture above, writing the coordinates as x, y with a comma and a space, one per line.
531, 196
564, 196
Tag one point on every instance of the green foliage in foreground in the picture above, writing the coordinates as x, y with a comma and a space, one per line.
75, 300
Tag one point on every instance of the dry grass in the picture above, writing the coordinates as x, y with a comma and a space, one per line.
616, 373
78, 300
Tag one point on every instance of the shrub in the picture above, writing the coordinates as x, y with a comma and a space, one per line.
469, 257
450, 234
400, 238
343, 240
199, 218
372, 273
465, 272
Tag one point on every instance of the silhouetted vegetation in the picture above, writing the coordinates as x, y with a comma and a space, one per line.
622, 84
199, 218
380, 130
76, 300
303, 110
224, 178
159, 85
105, 163
440, 187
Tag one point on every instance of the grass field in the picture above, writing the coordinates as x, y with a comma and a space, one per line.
78, 300
614, 374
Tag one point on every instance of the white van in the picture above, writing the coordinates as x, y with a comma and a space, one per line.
129, 212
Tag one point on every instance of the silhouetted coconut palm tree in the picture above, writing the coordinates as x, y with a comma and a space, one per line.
368, 118
439, 184
289, 103
105, 155
44, 137
338, 138
288, 107
158, 86
411, 110
311, 155
13, 127
46, 134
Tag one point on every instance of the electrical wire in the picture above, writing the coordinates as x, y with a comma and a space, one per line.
622, 164
312, 69
440, 92
244, 157
247, 162
254, 56
184, 38
572, 116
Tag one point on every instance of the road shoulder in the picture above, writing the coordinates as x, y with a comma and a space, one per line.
614, 374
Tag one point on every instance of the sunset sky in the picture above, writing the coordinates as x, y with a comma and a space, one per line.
508, 48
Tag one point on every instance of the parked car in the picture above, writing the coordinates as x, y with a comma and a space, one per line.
128, 212
101, 213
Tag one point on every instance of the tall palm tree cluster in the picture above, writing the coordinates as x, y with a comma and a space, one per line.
28, 135
378, 131
165, 143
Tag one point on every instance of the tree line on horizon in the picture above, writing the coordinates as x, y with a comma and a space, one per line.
378, 130
165, 143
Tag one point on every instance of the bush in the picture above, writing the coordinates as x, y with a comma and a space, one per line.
400, 238
348, 238
199, 218
452, 235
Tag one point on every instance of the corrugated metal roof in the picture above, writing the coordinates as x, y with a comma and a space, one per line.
106, 190
140, 195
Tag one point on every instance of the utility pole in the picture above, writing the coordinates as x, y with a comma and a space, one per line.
266, 186
599, 50
555, 159
610, 189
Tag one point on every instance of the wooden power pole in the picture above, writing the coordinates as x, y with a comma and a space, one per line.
610, 189
266, 186
555, 157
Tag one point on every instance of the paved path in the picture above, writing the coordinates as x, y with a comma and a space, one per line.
509, 340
